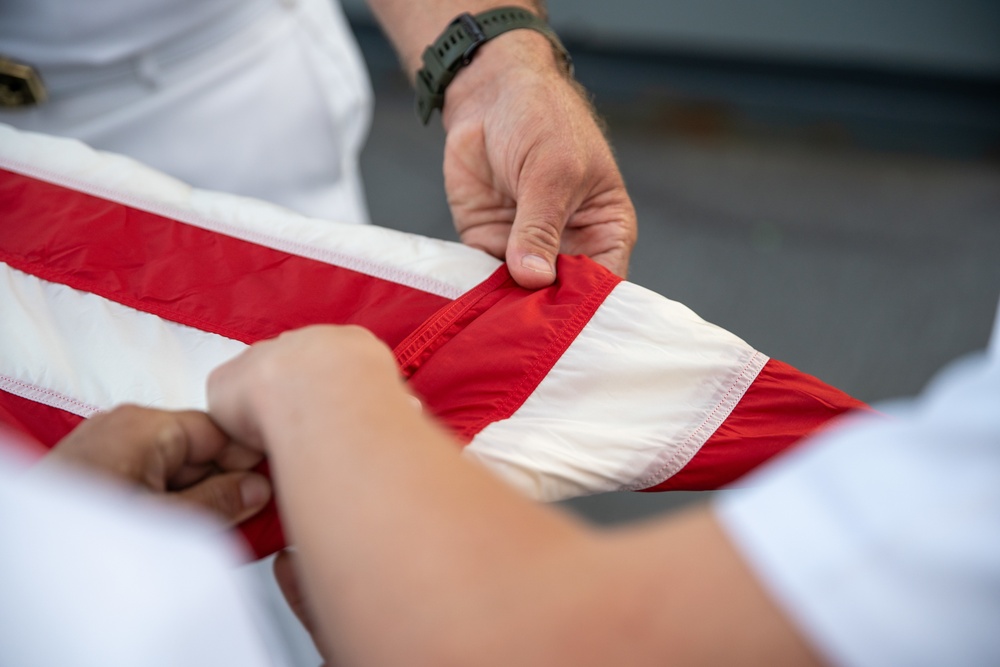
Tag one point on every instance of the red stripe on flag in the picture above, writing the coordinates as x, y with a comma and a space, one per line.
490, 349
781, 407
190, 275
443, 325
40, 422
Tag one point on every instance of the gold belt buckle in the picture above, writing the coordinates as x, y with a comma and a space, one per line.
20, 85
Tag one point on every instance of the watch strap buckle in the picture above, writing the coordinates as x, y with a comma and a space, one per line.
474, 30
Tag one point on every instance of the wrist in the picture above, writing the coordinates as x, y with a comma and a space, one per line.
522, 38
425, 30
519, 58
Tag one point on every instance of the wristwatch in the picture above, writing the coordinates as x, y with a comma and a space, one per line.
460, 40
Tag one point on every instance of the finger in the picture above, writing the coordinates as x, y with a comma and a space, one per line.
206, 449
609, 240
615, 261
192, 473
186, 446
531, 251
543, 207
491, 238
189, 475
227, 397
235, 456
232, 458
205, 441
234, 497
286, 574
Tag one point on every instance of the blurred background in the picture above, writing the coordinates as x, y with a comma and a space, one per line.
822, 179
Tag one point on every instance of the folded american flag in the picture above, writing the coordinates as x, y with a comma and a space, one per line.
119, 284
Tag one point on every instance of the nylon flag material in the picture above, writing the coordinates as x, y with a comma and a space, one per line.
120, 284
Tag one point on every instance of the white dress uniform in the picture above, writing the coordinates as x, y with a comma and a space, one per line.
92, 575
264, 98
881, 540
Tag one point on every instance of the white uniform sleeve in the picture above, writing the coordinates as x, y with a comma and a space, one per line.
881, 540
95, 576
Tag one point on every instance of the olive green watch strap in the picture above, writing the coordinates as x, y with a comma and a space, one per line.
457, 44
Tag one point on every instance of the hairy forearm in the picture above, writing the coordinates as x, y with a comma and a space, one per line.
412, 25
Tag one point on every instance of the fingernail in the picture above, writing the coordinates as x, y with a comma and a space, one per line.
537, 264
255, 490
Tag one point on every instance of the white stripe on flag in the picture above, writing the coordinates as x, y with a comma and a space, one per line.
438, 267
630, 402
83, 353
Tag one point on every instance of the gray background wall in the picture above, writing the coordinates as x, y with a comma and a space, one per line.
956, 36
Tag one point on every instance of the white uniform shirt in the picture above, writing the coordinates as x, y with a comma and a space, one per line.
93, 575
97, 32
881, 539
264, 98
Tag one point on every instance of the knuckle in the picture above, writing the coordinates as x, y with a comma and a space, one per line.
170, 435
542, 232
223, 497
125, 414
566, 170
